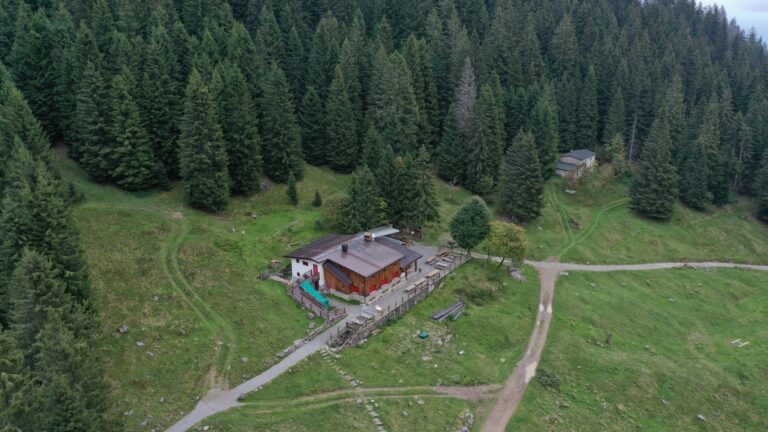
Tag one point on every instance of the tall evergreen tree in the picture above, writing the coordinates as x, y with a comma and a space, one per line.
91, 144
423, 204
363, 208
237, 117
281, 145
587, 114
543, 125
466, 96
293, 194
373, 149
484, 147
312, 118
340, 121
761, 186
694, 178
617, 154
203, 155
134, 166
451, 162
521, 191
616, 118
654, 188
324, 54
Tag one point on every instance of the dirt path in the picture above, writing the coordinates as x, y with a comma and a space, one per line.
525, 370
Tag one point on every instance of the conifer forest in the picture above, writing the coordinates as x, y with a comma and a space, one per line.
219, 96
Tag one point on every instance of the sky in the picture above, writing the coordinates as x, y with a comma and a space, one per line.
748, 13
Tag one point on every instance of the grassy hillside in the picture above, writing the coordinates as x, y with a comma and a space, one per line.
596, 225
669, 358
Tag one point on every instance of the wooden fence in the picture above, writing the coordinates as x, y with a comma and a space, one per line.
307, 301
353, 333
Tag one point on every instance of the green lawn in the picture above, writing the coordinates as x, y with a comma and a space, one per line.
669, 358
334, 417
432, 415
596, 225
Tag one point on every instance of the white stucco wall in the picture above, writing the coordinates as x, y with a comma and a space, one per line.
300, 268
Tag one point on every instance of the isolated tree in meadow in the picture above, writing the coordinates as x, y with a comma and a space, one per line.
521, 190
238, 119
293, 194
450, 160
318, 200
471, 225
312, 119
340, 126
203, 155
363, 207
617, 152
507, 241
134, 165
654, 187
281, 145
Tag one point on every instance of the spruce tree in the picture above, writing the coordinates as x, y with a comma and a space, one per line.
317, 201
312, 118
616, 118
451, 162
422, 205
587, 114
293, 194
238, 119
340, 126
373, 149
617, 153
654, 187
543, 125
363, 208
521, 190
761, 188
484, 147
92, 145
466, 96
324, 54
12, 378
134, 166
203, 155
694, 178
281, 137
471, 225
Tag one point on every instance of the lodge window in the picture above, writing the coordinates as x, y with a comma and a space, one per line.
305, 263
297, 260
298, 273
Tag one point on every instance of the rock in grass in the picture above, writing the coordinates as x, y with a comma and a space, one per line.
701, 417
122, 329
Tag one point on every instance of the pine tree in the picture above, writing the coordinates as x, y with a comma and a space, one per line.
312, 127
92, 144
12, 378
318, 200
543, 125
340, 121
134, 166
451, 155
471, 225
324, 54
521, 191
293, 194
654, 188
373, 149
363, 208
203, 155
268, 36
420, 192
694, 178
281, 145
237, 116
20, 121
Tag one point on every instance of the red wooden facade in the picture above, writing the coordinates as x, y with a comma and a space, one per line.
361, 285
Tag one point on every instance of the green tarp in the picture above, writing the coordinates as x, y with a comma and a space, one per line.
306, 286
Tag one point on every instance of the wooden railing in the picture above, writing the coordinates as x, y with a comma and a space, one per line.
309, 302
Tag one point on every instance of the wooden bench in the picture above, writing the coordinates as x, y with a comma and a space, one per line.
442, 265
434, 274
431, 259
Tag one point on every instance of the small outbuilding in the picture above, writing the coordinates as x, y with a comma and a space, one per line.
575, 163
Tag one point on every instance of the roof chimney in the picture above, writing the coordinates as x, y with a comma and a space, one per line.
368, 236
344, 248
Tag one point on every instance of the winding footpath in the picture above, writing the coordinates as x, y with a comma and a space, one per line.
525, 370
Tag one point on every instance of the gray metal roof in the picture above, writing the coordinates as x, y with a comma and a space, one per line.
364, 257
383, 231
582, 154
411, 255
317, 248
565, 166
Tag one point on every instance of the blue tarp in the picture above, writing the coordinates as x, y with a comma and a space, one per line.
306, 286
